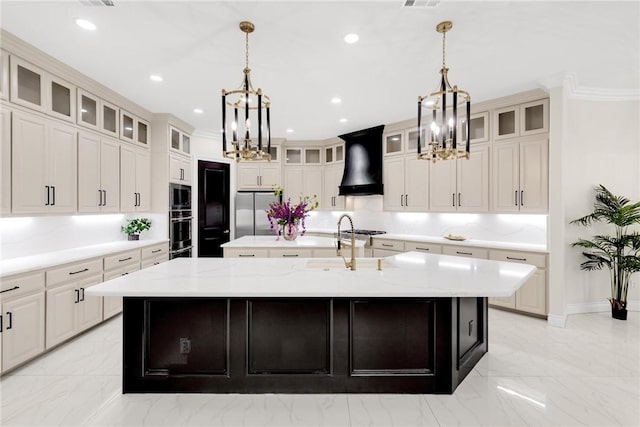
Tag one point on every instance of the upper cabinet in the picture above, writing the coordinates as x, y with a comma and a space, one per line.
61, 102
334, 154
393, 143
110, 119
5, 161
88, 113
4, 75
303, 156
134, 129
479, 131
27, 84
180, 141
521, 120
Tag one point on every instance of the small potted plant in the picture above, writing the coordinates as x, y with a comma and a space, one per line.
619, 253
135, 226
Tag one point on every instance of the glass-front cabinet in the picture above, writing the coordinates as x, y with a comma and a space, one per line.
110, 119
88, 110
61, 99
334, 154
142, 134
27, 84
293, 156
412, 140
179, 141
479, 131
393, 143
127, 126
521, 120
300, 156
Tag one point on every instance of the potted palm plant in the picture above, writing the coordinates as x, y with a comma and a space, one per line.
619, 253
135, 226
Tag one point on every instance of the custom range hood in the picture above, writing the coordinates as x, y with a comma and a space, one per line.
362, 163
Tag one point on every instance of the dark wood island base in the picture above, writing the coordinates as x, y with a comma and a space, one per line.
291, 345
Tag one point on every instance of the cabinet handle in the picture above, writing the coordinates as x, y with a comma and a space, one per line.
77, 296
156, 251
516, 259
289, 255
387, 245
10, 315
104, 202
100, 197
79, 271
124, 259
82, 293
47, 188
53, 192
459, 199
258, 180
521, 197
418, 248
124, 274
10, 289
464, 253
246, 255
401, 200
516, 197
0, 322
453, 199
156, 263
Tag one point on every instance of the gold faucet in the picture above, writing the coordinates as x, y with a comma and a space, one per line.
348, 264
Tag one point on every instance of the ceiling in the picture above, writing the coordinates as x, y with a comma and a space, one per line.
299, 58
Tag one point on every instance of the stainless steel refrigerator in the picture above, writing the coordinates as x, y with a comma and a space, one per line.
251, 215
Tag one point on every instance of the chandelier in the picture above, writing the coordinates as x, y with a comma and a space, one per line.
243, 101
443, 142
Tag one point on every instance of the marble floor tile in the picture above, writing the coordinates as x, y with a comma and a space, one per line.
535, 375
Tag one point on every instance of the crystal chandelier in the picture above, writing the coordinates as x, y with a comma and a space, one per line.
243, 101
443, 142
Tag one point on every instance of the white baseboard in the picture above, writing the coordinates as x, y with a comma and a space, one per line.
598, 307
557, 321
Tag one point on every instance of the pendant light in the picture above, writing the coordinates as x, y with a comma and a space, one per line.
445, 106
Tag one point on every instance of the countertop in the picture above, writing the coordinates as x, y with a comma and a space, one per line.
408, 275
489, 244
302, 242
25, 264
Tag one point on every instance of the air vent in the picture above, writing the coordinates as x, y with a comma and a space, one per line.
420, 3
97, 2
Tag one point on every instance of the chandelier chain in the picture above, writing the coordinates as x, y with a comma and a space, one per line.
444, 34
246, 49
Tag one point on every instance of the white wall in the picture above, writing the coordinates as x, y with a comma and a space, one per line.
602, 147
24, 236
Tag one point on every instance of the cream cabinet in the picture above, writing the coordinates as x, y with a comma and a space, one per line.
334, 154
302, 156
179, 141
301, 181
393, 143
406, 182
521, 176
387, 247
479, 129
117, 265
258, 175
134, 129
290, 253
422, 247
5, 160
532, 296
22, 314
521, 120
4, 75
60, 98
179, 169
98, 173
245, 253
97, 114
44, 165
69, 311
465, 251
460, 185
154, 255
135, 179
331, 198
28, 86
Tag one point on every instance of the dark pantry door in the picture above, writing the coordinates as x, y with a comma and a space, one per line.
213, 207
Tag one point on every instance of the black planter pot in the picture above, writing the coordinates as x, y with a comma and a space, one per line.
134, 237
619, 313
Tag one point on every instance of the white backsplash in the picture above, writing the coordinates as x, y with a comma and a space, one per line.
367, 213
23, 236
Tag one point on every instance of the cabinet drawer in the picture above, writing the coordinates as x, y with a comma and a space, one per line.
123, 271
245, 253
121, 259
146, 263
23, 284
391, 245
539, 260
290, 253
75, 271
154, 251
465, 251
422, 247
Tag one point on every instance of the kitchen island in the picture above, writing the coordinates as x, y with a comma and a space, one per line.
220, 325
274, 247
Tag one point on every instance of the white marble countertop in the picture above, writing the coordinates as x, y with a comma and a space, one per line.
409, 275
25, 264
302, 242
489, 244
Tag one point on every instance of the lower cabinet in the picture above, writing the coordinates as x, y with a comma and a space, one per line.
532, 296
465, 251
22, 321
113, 305
70, 312
387, 247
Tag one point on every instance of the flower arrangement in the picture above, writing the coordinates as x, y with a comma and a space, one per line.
288, 216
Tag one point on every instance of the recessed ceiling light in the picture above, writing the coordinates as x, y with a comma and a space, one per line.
198, 110
86, 25
156, 78
351, 38
336, 100
289, 131
343, 120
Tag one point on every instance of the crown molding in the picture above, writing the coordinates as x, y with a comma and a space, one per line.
570, 82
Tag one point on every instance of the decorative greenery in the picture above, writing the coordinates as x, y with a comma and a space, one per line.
619, 253
285, 214
136, 226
